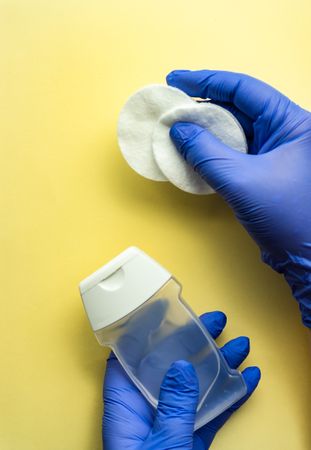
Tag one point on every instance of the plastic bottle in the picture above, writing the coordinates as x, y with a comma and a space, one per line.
135, 307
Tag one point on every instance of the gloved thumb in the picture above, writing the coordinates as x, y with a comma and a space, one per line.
175, 415
219, 165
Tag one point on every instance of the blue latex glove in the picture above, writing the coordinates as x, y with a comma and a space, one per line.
269, 189
130, 422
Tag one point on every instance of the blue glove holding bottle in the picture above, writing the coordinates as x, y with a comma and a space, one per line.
269, 188
130, 422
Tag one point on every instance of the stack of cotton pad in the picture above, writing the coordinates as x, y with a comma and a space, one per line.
143, 134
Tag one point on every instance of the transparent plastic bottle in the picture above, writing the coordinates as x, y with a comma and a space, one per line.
135, 307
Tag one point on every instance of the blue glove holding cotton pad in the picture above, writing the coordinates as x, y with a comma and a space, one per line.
143, 134
268, 189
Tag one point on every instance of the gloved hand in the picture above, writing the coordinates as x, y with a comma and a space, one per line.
269, 189
130, 422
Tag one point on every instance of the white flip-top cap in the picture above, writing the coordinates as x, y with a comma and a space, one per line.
121, 286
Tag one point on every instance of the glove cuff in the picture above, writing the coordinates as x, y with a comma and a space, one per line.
297, 273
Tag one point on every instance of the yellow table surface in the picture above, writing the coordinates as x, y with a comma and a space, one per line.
69, 203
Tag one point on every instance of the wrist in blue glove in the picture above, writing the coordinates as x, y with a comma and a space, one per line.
269, 189
130, 422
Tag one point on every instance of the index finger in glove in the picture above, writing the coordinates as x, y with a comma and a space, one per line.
248, 94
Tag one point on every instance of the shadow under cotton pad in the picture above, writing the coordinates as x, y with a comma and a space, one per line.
137, 120
215, 119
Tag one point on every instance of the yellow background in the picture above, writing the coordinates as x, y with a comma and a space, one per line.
69, 202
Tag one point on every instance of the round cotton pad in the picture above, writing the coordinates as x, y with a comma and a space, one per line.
217, 120
137, 120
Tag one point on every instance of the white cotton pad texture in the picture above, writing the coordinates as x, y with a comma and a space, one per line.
136, 122
215, 119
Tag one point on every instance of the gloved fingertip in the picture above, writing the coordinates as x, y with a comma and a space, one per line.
173, 74
218, 164
183, 132
242, 344
220, 318
252, 376
181, 376
178, 400
214, 321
